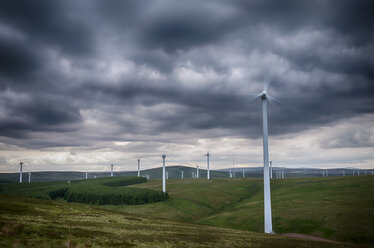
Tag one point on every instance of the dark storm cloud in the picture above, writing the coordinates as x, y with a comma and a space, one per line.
51, 23
168, 67
16, 59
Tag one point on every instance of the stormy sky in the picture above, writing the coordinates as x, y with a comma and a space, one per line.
87, 83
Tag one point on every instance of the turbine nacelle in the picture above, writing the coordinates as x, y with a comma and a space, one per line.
264, 95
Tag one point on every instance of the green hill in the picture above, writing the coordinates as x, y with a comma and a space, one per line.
339, 208
27, 222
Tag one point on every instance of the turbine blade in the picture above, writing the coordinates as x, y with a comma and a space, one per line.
254, 98
273, 99
267, 83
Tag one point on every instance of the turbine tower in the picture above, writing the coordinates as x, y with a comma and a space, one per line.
233, 165
182, 174
243, 174
207, 163
86, 175
111, 170
267, 196
20, 172
138, 167
271, 169
197, 171
163, 173
29, 177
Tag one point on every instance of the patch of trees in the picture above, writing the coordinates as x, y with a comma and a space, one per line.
109, 191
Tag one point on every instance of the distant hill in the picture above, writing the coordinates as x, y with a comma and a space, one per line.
175, 172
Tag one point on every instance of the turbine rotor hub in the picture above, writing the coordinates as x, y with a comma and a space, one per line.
264, 95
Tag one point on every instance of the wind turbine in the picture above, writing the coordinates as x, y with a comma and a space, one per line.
138, 167
20, 172
182, 174
197, 171
163, 173
207, 163
271, 169
243, 174
233, 165
29, 176
111, 170
267, 196
264, 96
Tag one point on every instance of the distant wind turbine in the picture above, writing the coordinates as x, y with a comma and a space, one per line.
138, 167
233, 164
111, 170
29, 177
163, 173
197, 171
182, 174
20, 172
243, 174
207, 163
86, 175
271, 169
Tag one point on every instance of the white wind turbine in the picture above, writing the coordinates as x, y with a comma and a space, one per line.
20, 172
264, 96
163, 174
138, 167
207, 163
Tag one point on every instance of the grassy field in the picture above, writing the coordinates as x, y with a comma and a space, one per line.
28, 222
338, 208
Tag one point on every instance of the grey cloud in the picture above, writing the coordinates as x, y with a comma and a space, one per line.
166, 37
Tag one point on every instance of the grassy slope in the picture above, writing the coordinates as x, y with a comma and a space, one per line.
27, 222
339, 208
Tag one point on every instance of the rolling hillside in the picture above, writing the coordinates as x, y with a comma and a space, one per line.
339, 208
27, 222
